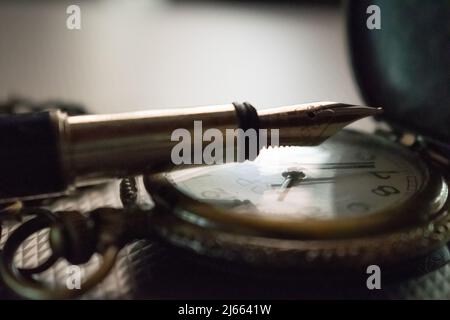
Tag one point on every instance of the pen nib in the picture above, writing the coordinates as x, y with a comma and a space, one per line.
341, 115
311, 124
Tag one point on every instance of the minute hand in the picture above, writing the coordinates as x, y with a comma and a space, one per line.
340, 165
308, 181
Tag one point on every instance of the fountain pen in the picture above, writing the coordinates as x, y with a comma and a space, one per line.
48, 153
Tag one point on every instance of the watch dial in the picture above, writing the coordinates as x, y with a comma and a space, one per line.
351, 174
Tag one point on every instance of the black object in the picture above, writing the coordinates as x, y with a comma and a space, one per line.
26, 123
404, 67
16, 105
247, 119
36, 168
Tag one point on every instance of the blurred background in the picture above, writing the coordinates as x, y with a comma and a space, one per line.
134, 55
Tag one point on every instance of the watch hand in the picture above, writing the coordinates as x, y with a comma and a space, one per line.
308, 181
291, 177
342, 165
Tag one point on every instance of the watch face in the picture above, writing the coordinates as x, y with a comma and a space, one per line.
355, 200
350, 175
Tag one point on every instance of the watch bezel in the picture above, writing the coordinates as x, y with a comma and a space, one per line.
385, 249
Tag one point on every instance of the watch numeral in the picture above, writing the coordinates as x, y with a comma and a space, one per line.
383, 174
216, 193
385, 191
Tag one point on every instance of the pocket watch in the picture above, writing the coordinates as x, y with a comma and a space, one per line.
357, 199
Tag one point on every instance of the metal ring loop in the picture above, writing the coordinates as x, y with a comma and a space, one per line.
20, 280
43, 220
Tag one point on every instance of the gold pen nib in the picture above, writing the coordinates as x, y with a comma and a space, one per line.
311, 124
343, 115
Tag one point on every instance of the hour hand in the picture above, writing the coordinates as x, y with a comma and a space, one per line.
291, 177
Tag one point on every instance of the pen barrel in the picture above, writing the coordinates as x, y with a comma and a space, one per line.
118, 145
46, 153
